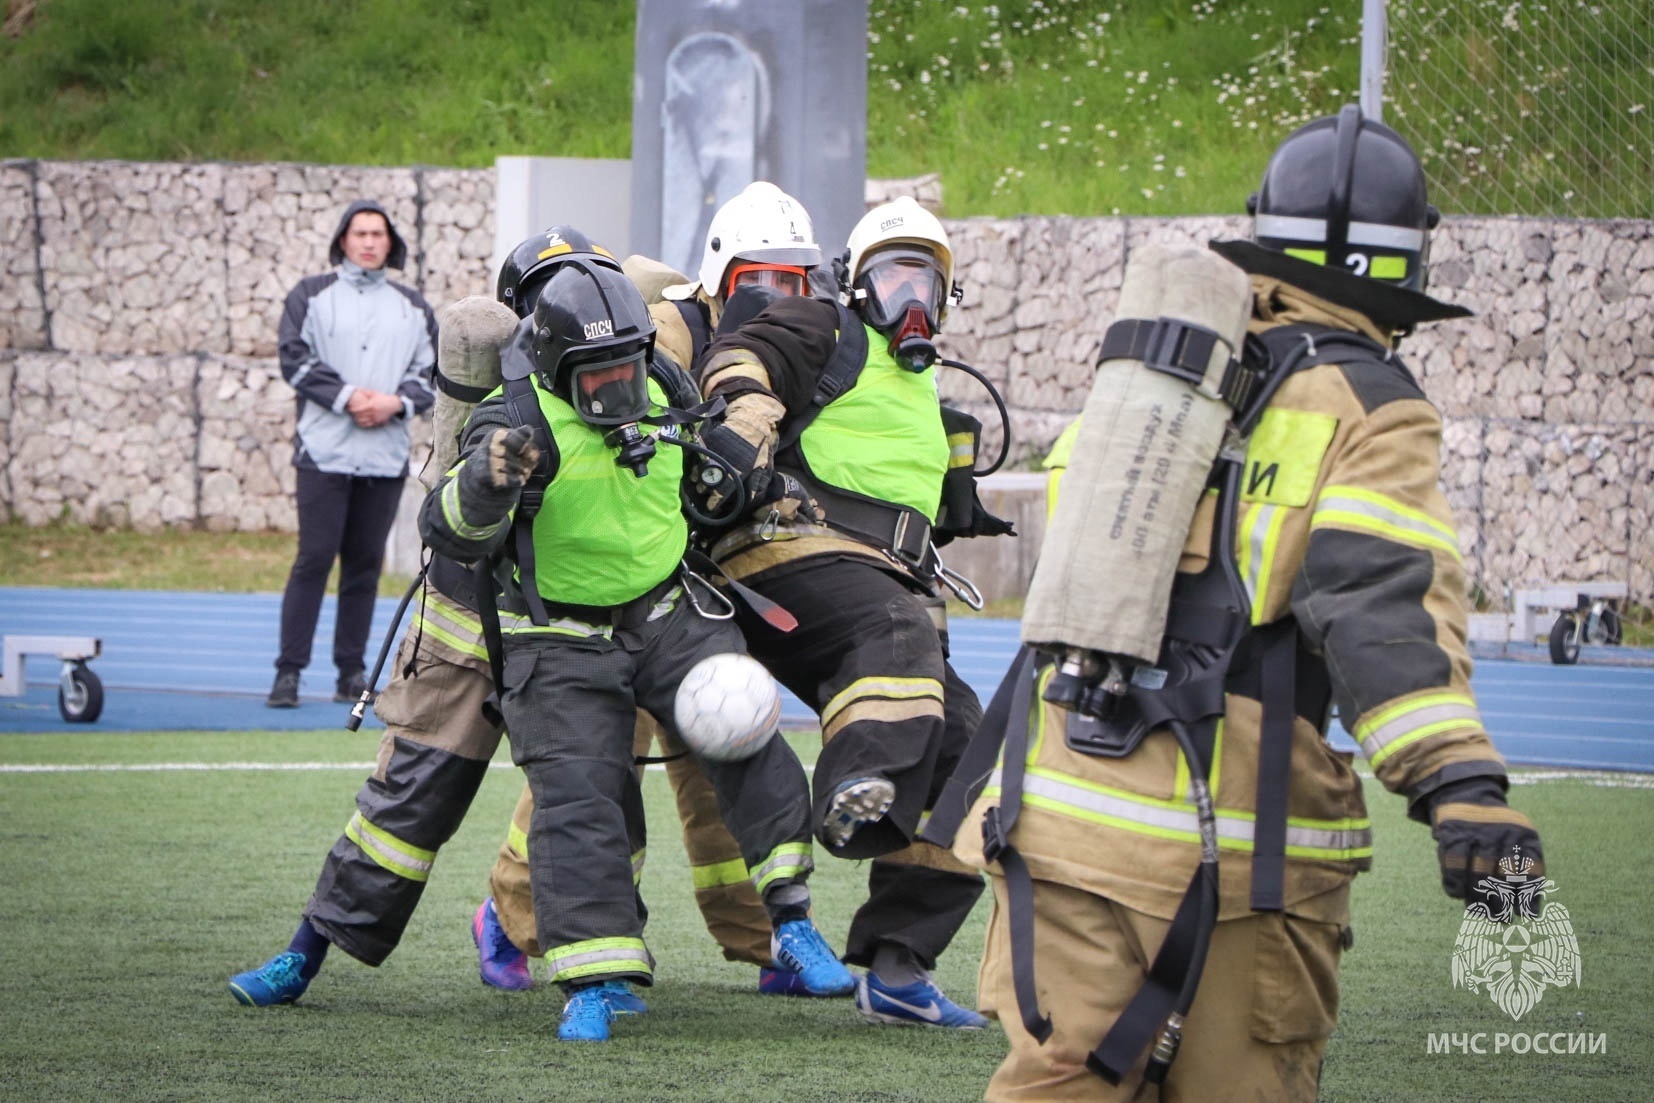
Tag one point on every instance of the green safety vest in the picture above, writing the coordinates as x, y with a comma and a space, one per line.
603, 536
882, 438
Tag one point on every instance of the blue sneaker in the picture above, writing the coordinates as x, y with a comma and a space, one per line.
587, 1015
798, 946
920, 1002
276, 981
622, 1000
499, 961
776, 981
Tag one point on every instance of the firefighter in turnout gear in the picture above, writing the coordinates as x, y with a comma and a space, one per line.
1348, 589
598, 617
439, 738
762, 237
855, 471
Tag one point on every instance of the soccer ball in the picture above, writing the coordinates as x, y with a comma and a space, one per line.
727, 707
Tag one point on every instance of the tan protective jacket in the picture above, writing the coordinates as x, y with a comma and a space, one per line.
1342, 525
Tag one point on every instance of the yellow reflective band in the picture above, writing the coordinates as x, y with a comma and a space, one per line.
599, 956
1335, 840
514, 624
401, 858
455, 517
1314, 256
517, 839
786, 860
472, 645
461, 619
1257, 554
1389, 730
1355, 507
961, 449
1388, 268
718, 874
887, 688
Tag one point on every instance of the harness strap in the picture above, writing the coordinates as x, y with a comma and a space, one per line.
977, 761
900, 530
489, 614
700, 330
463, 392
523, 408
842, 370
1117, 1053
997, 826
1278, 671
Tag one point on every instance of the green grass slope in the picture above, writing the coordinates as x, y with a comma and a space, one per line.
1025, 106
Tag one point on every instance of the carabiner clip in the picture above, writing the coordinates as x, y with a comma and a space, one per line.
766, 531
963, 588
690, 577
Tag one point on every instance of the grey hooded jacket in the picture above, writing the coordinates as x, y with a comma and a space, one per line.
352, 328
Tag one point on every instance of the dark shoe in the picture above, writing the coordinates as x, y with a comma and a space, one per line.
285, 693
349, 689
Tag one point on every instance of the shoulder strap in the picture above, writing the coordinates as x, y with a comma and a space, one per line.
522, 406
700, 330
842, 370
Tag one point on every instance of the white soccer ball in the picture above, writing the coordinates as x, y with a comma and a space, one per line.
727, 707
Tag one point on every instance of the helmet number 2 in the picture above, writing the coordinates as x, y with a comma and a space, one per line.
1357, 263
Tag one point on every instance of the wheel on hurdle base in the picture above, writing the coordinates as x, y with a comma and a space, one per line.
1565, 635
79, 694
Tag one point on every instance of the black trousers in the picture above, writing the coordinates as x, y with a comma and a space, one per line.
348, 518
861, 626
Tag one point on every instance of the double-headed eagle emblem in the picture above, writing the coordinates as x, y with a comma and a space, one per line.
1513, 943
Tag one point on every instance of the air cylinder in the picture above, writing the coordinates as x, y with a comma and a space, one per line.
1146, 443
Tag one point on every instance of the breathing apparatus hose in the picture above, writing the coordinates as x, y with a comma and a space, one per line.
724, 516
1171, 1034
1004, 416
360, 708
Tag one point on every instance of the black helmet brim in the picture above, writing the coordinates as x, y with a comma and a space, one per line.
1389, 305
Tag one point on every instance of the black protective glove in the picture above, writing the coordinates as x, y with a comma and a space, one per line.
492, 476
1475, 830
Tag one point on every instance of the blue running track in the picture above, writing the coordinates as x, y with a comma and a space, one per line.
196, 661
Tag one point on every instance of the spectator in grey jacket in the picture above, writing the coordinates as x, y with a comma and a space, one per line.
358, 349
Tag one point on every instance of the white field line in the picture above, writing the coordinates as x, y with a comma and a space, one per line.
1606, 779
212, 767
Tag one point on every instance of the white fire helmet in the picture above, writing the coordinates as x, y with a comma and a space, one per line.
886, 228
762, 226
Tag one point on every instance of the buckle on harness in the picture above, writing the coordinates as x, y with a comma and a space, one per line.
994, 839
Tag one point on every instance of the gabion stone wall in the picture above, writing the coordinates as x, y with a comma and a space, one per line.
139, 303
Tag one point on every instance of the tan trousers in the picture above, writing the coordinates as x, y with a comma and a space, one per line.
729, 905
1268, 999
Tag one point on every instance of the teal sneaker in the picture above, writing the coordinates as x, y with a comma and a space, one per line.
622, 1000
920, 1003
797, 945
276, 981
587, 1015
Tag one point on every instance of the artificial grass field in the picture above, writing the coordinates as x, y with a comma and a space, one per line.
130, 896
